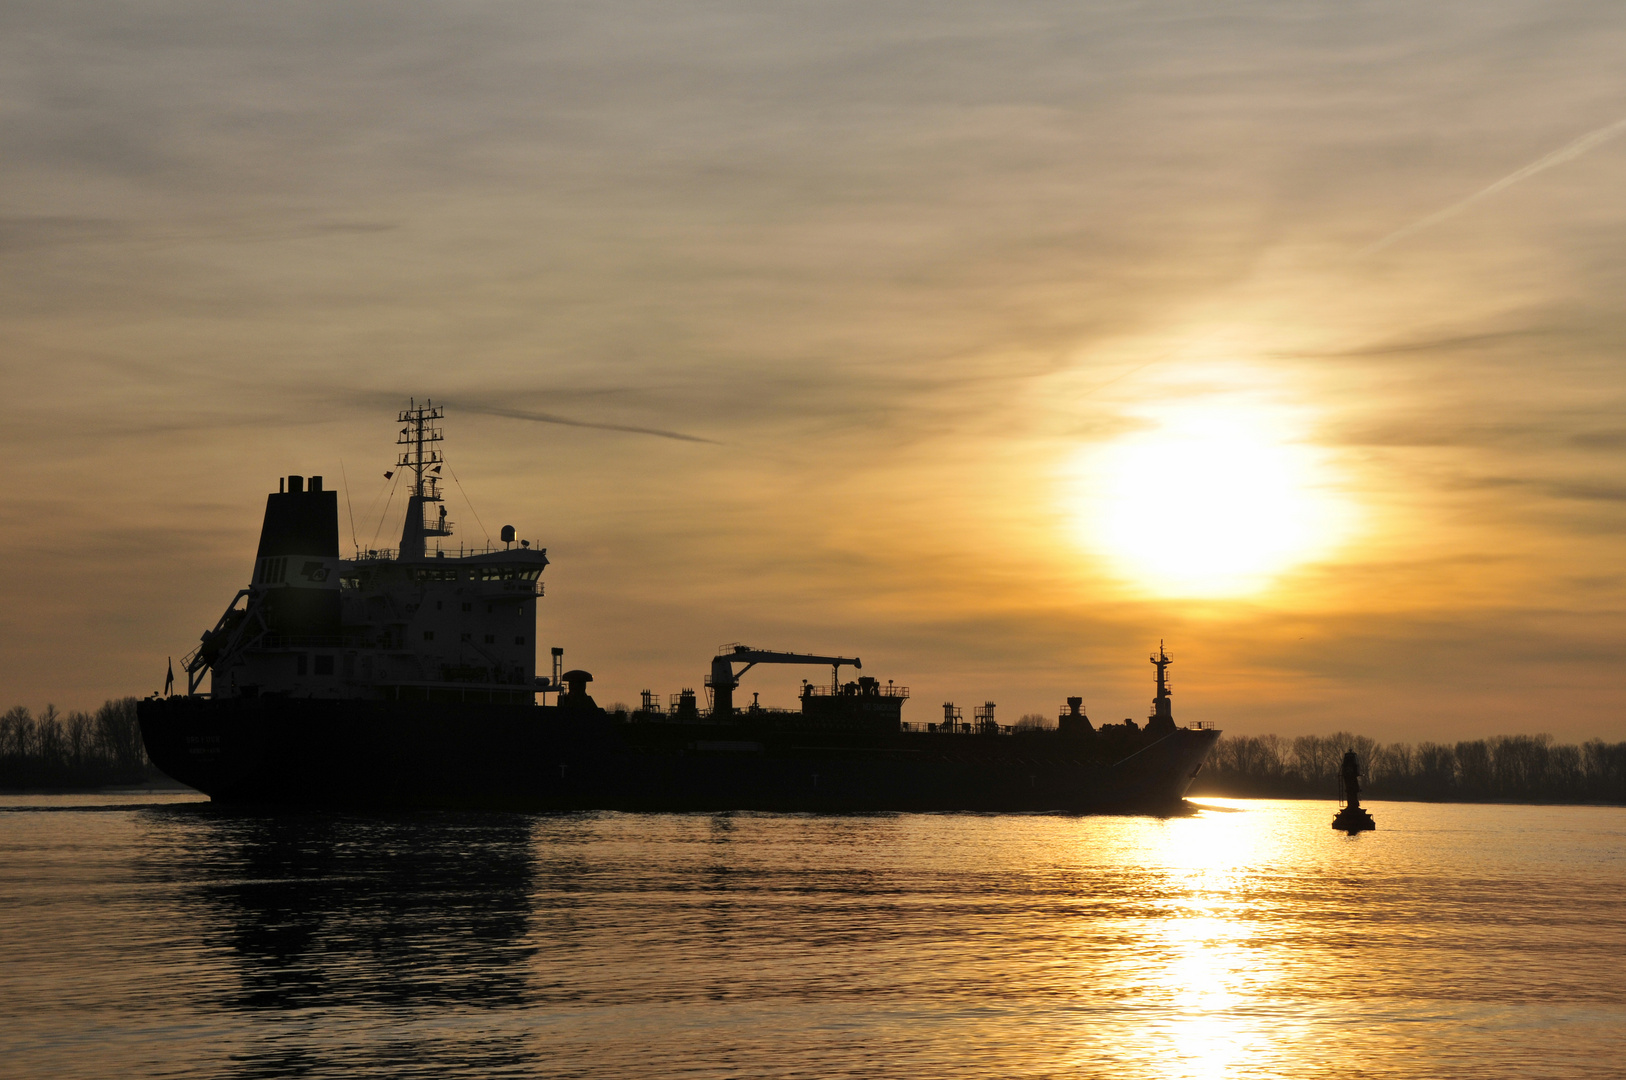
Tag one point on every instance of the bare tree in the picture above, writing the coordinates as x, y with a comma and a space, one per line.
16, 733
50, 745
118, 734
81, 740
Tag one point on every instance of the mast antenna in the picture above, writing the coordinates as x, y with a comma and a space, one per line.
419, 436
419, 431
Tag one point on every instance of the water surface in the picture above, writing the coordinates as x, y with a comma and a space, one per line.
155, 937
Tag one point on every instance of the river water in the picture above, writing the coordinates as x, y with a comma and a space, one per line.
158, 937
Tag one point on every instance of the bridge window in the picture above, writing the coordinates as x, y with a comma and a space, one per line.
505, 573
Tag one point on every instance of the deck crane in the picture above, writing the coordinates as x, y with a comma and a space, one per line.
724, 679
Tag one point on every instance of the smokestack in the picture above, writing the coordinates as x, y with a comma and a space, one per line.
297, 564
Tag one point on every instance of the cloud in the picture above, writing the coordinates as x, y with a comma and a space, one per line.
1585, 144
1612, 439
1585, 491
24, 232
1413, 346
551, 418
19, 233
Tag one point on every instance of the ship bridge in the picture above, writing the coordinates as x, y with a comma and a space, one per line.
401, 623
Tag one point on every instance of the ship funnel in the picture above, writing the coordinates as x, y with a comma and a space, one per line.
296, 569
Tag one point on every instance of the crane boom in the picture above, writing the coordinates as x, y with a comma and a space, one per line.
724, 679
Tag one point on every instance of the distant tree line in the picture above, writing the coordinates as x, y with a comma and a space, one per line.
76, 749
1510, 768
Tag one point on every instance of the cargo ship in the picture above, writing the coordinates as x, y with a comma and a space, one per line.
407, 678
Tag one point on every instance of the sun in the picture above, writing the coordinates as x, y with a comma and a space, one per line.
1206, 500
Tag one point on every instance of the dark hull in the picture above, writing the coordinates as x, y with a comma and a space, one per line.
313, 752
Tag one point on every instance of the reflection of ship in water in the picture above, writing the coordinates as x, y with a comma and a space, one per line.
325, 916
408, 678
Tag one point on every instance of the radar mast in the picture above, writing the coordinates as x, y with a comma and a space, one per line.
1162, 718
418, 435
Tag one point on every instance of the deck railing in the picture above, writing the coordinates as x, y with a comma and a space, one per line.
889, 690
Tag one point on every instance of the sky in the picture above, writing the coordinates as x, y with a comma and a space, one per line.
991, 343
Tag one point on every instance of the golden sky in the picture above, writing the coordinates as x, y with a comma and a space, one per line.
989, 342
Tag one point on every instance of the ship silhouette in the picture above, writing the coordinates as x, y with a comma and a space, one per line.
407, 678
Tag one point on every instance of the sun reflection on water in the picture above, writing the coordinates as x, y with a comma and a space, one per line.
1207, 967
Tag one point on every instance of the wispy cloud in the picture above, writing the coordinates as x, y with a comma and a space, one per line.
1441, 344
568, 421
45, 231
1586, 143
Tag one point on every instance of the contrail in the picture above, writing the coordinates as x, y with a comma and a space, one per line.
1590, 141
550, 418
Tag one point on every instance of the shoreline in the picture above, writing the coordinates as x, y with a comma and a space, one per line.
169, 787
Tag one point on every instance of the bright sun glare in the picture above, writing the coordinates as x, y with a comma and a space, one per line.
1206, 501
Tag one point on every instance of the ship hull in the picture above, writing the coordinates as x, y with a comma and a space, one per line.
365, 754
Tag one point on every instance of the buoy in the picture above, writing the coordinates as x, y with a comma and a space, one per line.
1352, 817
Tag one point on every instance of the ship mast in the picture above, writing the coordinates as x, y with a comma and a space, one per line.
419, 436
1162, 718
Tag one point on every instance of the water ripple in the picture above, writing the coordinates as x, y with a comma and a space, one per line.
1247, 940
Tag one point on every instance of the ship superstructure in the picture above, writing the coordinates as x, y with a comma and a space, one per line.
416, 623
